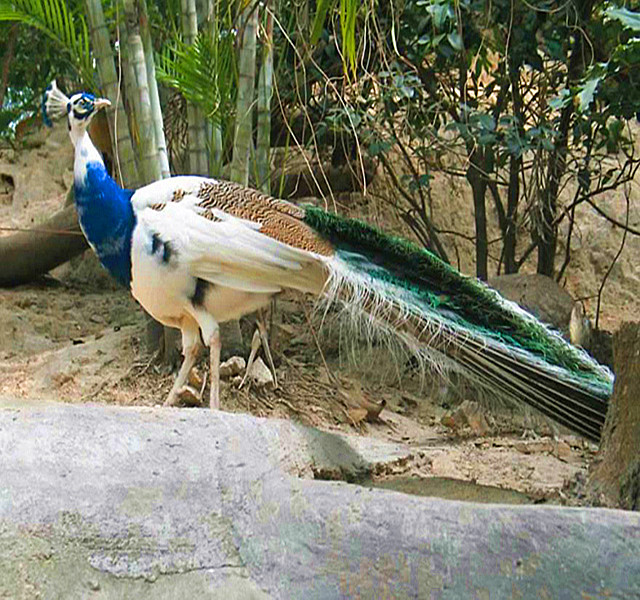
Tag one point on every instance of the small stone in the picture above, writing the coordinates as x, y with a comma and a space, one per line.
236, 365
563, 451
522, 447
469, 414
195, 378
448, 421
189, 396
93, 585
260, 375
357, 415
534, 447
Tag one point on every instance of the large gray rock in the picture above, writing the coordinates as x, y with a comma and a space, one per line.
542, 296
166, 503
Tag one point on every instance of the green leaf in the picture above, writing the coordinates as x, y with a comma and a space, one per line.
483, 121
54, 19
455, 40
204, 72
547, 144
585, 97
559, 102
627, 17
322, 8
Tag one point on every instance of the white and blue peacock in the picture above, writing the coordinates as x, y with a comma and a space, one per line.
196, 252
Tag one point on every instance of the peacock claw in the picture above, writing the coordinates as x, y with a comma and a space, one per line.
255, 346
260, 338
172, 399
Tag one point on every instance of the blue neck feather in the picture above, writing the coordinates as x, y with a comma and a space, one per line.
107, 219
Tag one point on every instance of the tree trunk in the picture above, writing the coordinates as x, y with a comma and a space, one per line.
118, 123
133, 98
513, 191
478, 183
616, 476
511, 232
7, 59
26, 255
243, 138
547, 236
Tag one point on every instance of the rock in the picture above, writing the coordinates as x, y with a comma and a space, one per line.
260, 375
236, 365
540, 295
534, 447
563, 451
195, 379
171, 503
189, 396
448, 421
580, 327
468, 414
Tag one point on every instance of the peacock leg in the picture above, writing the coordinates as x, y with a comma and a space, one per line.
214, 371
190, 349
262, 329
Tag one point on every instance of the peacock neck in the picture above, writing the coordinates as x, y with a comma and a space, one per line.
104, 210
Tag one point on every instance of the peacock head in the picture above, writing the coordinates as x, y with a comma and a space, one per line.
80, 109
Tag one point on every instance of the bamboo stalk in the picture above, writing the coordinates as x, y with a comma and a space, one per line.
196, 125
118, 124
154, 96
265, 92
130, 91
151, 167
246, 89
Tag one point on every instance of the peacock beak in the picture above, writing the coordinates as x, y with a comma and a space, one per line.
101, 103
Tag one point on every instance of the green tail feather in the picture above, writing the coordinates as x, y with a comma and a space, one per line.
464, 301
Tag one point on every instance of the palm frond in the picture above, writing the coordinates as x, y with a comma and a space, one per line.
204, 72
54, 19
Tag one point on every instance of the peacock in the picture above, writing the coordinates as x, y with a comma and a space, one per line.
196, 252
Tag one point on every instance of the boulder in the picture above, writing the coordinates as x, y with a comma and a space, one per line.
542, 296
188, 503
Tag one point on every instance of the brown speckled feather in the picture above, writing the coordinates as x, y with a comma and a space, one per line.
279, 219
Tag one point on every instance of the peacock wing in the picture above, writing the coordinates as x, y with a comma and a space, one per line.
233, 252
278, 219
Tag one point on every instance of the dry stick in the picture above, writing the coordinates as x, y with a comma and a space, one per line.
317, 343
615, 259
48, 231
118, 379
615, 222
290, 130
567, 253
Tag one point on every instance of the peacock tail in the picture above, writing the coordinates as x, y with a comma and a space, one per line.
459, 324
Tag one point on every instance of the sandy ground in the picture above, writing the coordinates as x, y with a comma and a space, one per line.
75, 337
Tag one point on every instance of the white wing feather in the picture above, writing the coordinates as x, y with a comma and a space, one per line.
233, 252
